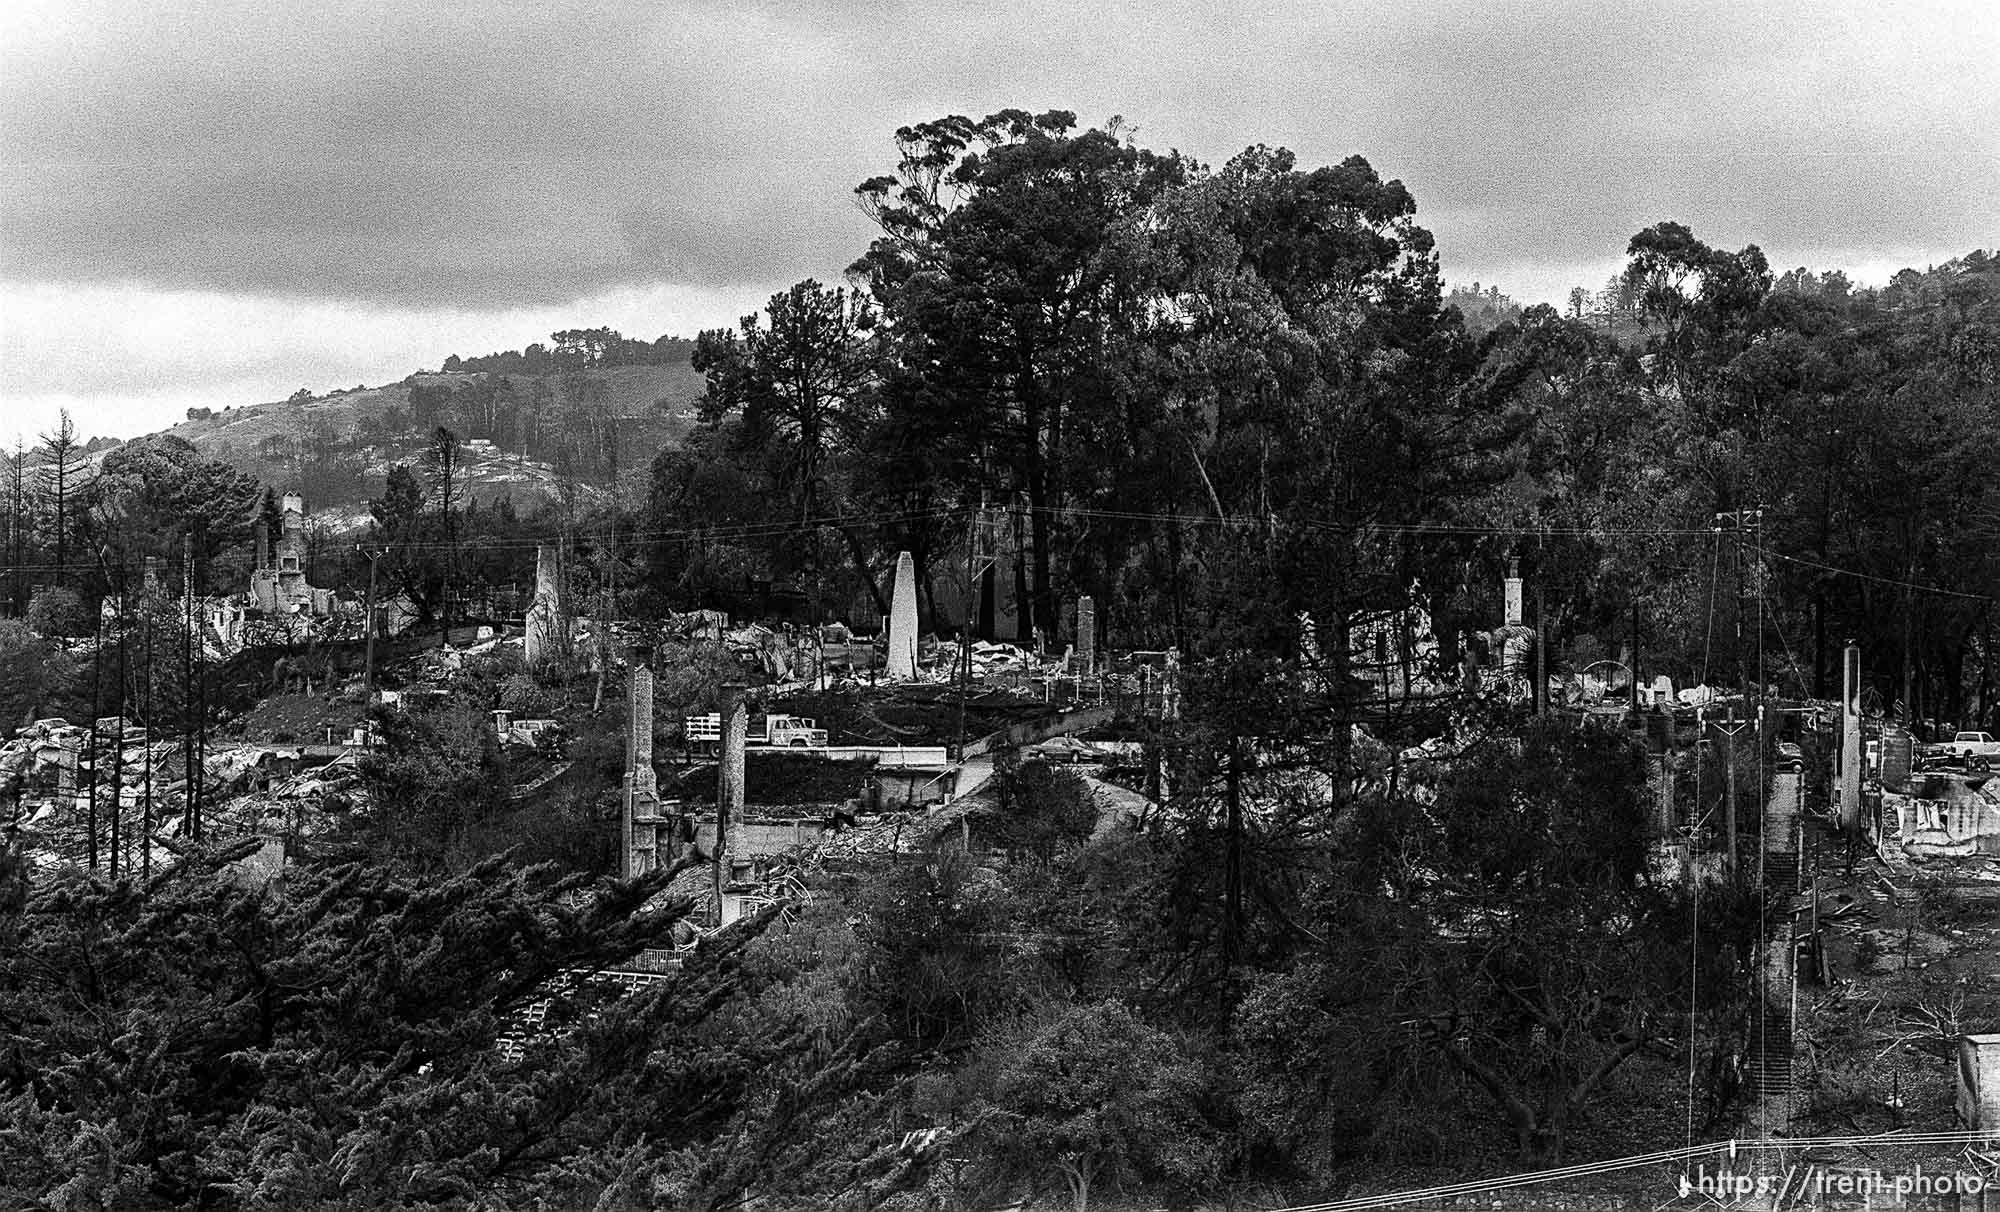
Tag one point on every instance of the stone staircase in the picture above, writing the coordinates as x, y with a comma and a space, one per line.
1767, 1068
1781, 878
1768, 1077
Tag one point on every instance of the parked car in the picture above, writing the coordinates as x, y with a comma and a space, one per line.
1790, 757
1976, 749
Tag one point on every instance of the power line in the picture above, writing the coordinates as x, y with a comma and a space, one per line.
1955, 1139
1869, 576
757, 530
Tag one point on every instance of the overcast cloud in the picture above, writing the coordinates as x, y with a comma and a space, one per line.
218, 202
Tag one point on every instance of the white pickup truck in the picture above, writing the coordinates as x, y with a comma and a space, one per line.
1976, 749
781, 731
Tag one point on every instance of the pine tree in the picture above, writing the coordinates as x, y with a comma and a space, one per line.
63, 474
210, 1038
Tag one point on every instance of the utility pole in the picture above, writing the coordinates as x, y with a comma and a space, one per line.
368, 623
1985, 668
187, 684
146, 818
1909, 666
1852, 748
1729, 804
1541, 695
199, 790
194, 698
1730, 730
1633, 672
1737, 520
1696, 816
1763, 593
118, 736
977, 559
1763, 817
90, 744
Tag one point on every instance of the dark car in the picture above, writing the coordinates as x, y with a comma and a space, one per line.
1790, 756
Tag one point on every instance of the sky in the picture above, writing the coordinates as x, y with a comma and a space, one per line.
216, 203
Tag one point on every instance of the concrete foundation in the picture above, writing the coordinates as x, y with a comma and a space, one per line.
1978, 1072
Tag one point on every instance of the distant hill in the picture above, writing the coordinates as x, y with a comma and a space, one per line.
520, 432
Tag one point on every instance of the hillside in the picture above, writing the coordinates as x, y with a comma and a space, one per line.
517, 431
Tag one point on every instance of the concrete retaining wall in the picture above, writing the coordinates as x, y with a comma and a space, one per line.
1077, 719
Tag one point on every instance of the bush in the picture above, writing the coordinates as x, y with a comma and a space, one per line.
37, 671
59, 613
1095, 1094
1042, 809
521, 694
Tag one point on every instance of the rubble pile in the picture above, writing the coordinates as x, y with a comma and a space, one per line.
247, 789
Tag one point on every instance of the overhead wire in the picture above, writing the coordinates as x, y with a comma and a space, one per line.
1880, 580
1951, 1139
756, 530
1708, 644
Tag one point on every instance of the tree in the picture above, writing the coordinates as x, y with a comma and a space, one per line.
1005, 294
36, 669
583, 348
19, 534
150, 493
440, 466
400, 528
64, 474
434, 779
58, 613
271, 515
937, 984
700, 487
1041, 810
207, 1037
1100, 1096
800, 385
1509, 934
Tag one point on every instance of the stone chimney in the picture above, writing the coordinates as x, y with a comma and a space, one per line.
642, 785
729, 781
1511, 587
545, 636
293, 511
902, 656
1853, 755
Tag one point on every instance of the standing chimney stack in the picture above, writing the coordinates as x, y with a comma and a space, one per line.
1086, 636
642, 785
901, 663
729, 782
1512, 589
1853, 753
544, 636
